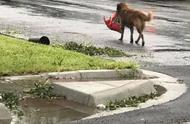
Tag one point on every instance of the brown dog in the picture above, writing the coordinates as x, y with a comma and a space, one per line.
132, 18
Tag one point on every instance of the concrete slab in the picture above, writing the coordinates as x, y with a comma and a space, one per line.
85, 87
92, 93
134, 88
5, 116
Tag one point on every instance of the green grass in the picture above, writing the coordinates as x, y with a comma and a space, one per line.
18, 57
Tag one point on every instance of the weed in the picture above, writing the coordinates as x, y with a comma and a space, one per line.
131, 74
114, 52
92, 50
130, 102
11, 101
42, 89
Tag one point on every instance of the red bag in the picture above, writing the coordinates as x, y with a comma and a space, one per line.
113, 23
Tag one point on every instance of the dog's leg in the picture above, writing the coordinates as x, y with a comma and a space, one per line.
131, 29
143, 43
137, 41
122, 32
142, 36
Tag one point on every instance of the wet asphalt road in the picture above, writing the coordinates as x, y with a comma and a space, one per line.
167, 42
167, 36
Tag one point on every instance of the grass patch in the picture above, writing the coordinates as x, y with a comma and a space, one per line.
22, 57
92, 50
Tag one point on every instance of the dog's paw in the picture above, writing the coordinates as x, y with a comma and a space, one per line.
121, 39
143, 43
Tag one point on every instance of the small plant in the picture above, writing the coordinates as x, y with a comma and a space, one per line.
113, 52
58, 61
130, 75
42, 89
130, 102
92, 50
11, 101
123, 75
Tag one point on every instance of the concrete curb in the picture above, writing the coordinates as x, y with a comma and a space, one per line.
93, 74
174, 90
92, 93
159, 77
79, 75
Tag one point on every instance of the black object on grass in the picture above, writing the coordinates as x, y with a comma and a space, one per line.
42, 40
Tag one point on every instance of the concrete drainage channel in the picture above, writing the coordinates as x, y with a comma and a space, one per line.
97, 87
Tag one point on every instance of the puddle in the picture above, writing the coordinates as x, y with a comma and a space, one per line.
38, 111
41, 111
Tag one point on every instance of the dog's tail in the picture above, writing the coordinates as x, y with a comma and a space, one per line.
148, 17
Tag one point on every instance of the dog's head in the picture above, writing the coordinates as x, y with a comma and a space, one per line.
121, 7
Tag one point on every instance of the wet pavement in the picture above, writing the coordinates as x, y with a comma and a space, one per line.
167, 40
167, 36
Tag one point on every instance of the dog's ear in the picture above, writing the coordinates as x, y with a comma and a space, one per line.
121, 6
118, 7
